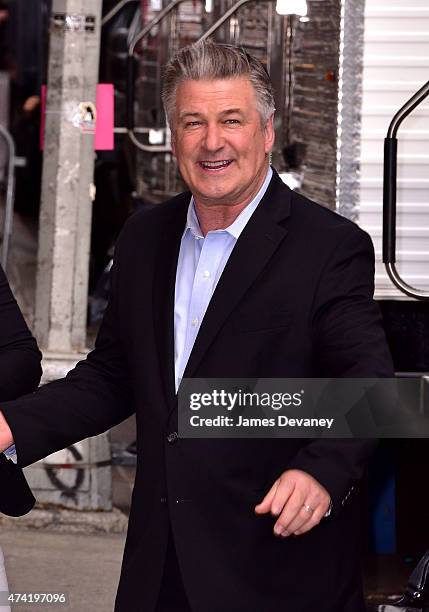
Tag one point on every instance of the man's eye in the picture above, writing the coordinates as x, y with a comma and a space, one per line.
192, 123
232, 121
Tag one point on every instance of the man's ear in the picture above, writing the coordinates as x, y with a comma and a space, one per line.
269, 134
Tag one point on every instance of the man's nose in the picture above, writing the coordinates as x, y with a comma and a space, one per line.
213, 140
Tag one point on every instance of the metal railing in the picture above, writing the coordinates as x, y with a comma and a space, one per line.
116, 9
389, 195
129, 128
10, 193
229, 13
130, 90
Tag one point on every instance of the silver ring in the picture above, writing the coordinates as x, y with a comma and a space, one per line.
307, 508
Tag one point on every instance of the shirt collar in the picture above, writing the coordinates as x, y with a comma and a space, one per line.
235, 229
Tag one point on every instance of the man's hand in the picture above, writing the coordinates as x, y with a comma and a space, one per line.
299, 502
6, 438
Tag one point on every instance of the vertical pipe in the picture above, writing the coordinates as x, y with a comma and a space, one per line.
8, 215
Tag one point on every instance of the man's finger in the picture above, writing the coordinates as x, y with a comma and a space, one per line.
290, 513
284, 493
265, 505
304, 518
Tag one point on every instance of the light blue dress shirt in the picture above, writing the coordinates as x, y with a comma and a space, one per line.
202, 260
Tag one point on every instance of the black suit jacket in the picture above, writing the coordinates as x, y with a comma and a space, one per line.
295, 300
20, 373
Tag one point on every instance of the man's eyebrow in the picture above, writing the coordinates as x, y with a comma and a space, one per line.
232, 111
185, 114
229, 111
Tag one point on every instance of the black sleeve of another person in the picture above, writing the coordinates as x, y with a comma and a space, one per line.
92, 398
20, 358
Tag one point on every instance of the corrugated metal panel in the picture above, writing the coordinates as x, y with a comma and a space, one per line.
396, 64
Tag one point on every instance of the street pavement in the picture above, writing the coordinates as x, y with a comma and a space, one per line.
85, 566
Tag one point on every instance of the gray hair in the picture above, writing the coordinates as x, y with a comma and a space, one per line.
208, 61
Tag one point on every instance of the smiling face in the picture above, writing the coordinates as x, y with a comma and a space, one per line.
219, 142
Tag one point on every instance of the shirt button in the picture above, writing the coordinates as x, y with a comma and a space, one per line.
172, 437
206, 274
195, 322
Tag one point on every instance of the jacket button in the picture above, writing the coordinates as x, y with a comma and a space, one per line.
163, 500
172, 437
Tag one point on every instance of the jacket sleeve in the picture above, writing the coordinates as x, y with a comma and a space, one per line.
20, 358
93, 397
349, 343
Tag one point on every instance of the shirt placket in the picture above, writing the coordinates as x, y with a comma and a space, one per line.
202, 287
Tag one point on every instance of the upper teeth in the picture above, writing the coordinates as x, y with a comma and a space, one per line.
215, 164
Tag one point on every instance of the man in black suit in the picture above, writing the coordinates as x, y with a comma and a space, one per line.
246, 279
19, 373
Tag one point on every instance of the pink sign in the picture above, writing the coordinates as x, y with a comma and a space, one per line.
105, 118
104, 138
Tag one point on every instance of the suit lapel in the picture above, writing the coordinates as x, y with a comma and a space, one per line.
164, 290
253, 250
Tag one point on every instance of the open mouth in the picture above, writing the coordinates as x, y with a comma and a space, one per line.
215, 166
